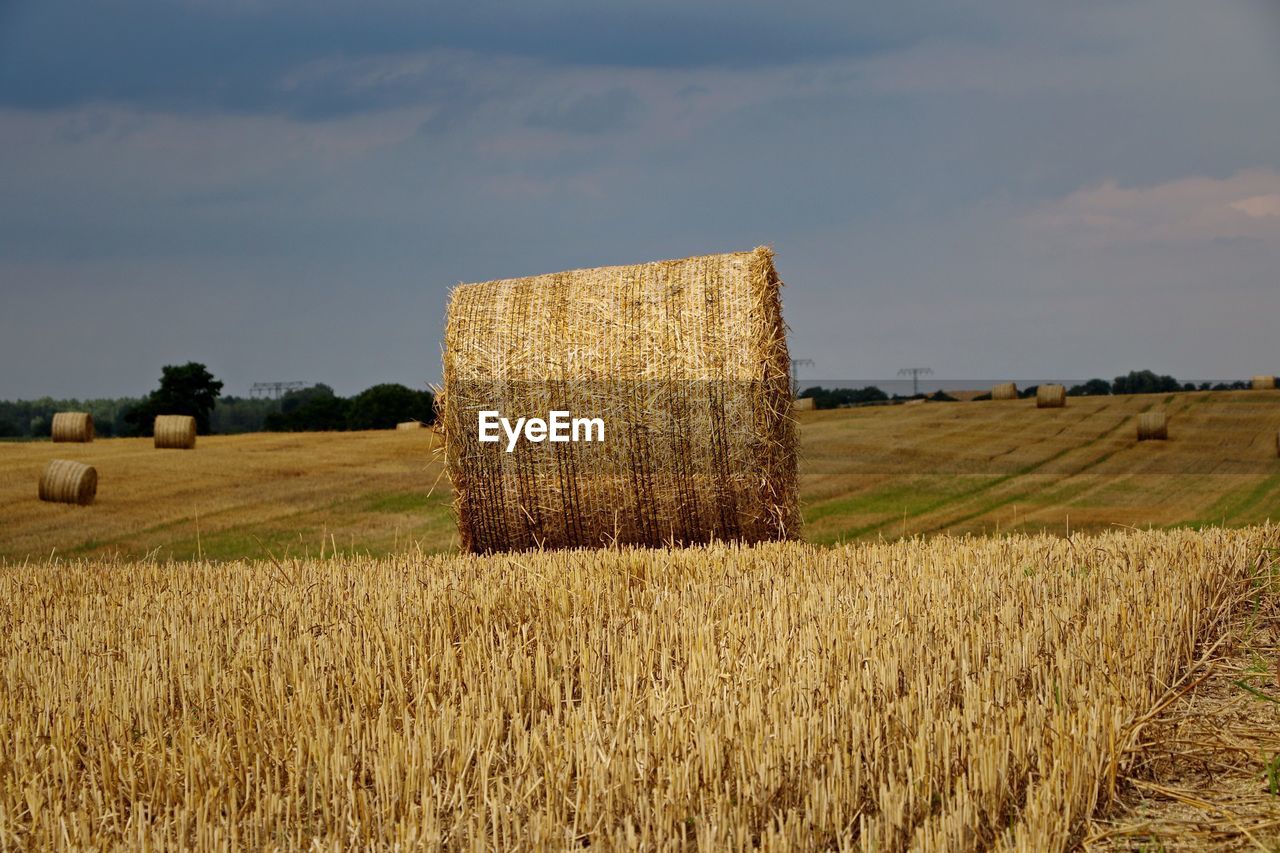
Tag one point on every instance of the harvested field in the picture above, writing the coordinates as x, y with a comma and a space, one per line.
718, 698
880, 471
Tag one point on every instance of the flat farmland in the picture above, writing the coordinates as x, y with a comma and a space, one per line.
892, 471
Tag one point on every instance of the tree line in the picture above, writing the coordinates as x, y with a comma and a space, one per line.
1134, 382
190, 389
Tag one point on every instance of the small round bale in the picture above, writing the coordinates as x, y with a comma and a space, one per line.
1005, 391
804, 404
1153, 426
68, 482
1051, 397
73, 426
175, 432
1264, 383
410, 425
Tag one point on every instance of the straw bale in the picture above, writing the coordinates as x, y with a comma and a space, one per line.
410, 425
1005, 391
685, 362
1051, 397
175, 432
1153, 426
1264, 383
72, 426
69, 482
804, 404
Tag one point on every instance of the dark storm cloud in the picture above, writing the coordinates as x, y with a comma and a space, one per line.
169, 54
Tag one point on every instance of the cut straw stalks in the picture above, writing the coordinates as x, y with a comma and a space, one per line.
175, 432
1005, 391
1153, 426
68, 482
685, 363
72, 427
1051, 397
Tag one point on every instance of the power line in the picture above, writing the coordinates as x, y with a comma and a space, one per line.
915, 373
275, 390
795, 380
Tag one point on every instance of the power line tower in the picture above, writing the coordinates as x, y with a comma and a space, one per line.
915, 373
795, 380
275, 390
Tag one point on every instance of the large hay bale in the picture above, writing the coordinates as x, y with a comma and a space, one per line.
1264, 383
175, 432
1005, 391
1153, 426
1051, 397
68, 482
72, 426
685, 364
804, 404
410, 425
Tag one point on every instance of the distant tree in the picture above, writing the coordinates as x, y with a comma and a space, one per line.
943, 397
314, 409
384, 406
834, 398
187, 389
1144, 382
1092, 388
1029, 391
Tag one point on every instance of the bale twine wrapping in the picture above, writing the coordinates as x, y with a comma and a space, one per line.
410, 425
68, 482
1051, 397
1153, 426
1264, 383
175, 432
804, 404
72, 426
684, 362
1005, 391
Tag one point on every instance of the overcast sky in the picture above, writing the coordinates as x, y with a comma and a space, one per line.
287, 189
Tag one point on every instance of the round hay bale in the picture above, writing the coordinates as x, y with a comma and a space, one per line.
68, 482
410, 425
1264, 383
1051, 397
175, 432
72, 426
804, 404
1005, 391
1153, 426
684, 364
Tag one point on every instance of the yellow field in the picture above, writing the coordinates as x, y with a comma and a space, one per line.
941, 693
865, 473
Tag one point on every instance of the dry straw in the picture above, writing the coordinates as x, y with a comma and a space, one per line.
1005, 391
68, 482
686, 364
72, 426
1051, 397
175, 432
804, 404
1264, 383
1153, 426
410, 425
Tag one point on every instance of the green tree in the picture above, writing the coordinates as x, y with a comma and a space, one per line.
384, 406
187, 389
1092, 388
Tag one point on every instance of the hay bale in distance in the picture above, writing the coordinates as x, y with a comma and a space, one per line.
1051, 397
72, 426
1153, 426
175, 432
684, 362
68, 482
1005, 391
410, 425
1264, 383
804, 404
